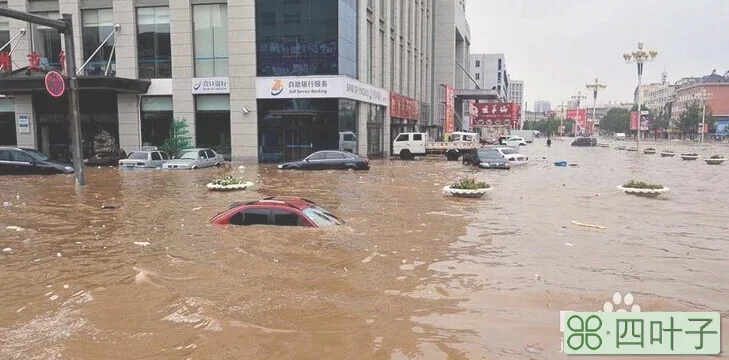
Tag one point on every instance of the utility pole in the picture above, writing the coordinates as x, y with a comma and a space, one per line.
64, 27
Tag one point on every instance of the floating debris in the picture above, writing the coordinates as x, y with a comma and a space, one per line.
569, 244
588, 225
13, 227
108, 206
7, 250
141, 243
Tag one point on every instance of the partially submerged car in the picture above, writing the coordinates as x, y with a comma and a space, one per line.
512, 156
329, 160
487, 158
584, 142
277, 211
145, 158
194, 159
26, 161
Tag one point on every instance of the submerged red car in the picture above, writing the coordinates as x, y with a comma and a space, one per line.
277, 211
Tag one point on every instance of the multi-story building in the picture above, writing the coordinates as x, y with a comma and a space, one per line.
516, 91
542, 106
255, 79
714, 85
489, 72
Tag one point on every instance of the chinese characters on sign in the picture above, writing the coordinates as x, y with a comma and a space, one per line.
23, 123
404, 107
494, 113
642, 333
34, 59
363, 92
218, 85
449, 123
6, 62
322, 87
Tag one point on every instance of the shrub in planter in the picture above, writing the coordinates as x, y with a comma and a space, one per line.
632, 184
716, 157
467, 187
640, 188
229, 182
470, 184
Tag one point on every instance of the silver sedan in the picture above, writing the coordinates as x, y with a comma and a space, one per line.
194, 159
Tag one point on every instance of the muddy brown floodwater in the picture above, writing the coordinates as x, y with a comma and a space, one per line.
412, 275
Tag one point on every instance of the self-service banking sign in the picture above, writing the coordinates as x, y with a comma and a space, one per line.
308, 87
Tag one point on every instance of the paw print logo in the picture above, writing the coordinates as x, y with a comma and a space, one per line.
621, 303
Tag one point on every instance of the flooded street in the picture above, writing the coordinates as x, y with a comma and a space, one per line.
412, 275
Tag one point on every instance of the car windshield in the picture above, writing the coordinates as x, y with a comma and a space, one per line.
138, 156
508, 151
321, 217
189, 155
37, 154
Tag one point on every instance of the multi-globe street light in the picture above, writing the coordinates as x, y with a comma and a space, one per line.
595, 87
563, 108
703, 96
639, 57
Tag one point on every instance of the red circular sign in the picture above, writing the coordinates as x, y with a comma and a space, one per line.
55, 84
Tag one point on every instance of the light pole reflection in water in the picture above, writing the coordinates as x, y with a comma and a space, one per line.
639, 57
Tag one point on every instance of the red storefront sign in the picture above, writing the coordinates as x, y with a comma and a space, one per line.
449, 125
495, 114
634, 122
6, 63
404, 107
580, 117
34, 59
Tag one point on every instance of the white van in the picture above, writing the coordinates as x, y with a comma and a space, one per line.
619, 136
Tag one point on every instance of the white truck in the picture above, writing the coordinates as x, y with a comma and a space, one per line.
348, 141
411, 144
528, 135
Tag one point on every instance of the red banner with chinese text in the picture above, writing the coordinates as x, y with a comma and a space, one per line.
404, 107
449, 124
494, 113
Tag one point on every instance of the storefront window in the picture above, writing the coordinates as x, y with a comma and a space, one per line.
375, 131
7, 123
47, 41
212, 123
4, 35
97, 25
210, 24
156, 118
154, 52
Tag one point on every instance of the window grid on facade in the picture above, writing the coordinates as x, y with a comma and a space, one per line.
96, 25
154, 52
210, 38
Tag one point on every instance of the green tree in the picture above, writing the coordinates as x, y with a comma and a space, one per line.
179, 138
661, 122
616, 121
690, 119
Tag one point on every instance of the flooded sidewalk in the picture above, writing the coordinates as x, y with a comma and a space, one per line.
411, 275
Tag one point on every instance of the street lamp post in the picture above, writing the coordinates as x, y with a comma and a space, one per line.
596, 87
639, 57
563, 108
703, 96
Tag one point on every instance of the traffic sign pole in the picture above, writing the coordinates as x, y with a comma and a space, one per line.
73, 105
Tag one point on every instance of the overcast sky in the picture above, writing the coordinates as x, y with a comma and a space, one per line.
558, 46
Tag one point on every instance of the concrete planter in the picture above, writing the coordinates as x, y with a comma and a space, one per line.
649, 151
467, 193
215, 187
668, 154
715, 161
644, 192
689, 157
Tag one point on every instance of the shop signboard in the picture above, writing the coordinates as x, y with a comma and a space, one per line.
308, 87
494, 114
404, 107
449, 122
23, 123
211, 85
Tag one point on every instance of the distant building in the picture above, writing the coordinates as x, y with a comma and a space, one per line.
489, 72
542, 106
714, 84
516, 92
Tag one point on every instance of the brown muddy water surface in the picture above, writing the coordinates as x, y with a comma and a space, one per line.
412, 275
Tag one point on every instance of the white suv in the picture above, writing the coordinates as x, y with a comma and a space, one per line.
514, 141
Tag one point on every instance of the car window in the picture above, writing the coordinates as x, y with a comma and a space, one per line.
318, 217
190, 155
317, 156
508, 151
490, 154
37, 154
20, 157
138, 155
328, 214
331, 155
417, 137
402, 137
165, 156
156, 156
349, 137
250, 217
4, 155
210, 154
201, 154
286, 218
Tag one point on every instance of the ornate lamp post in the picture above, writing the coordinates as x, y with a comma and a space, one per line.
563, 109
640, 57
703, 96
596, 87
